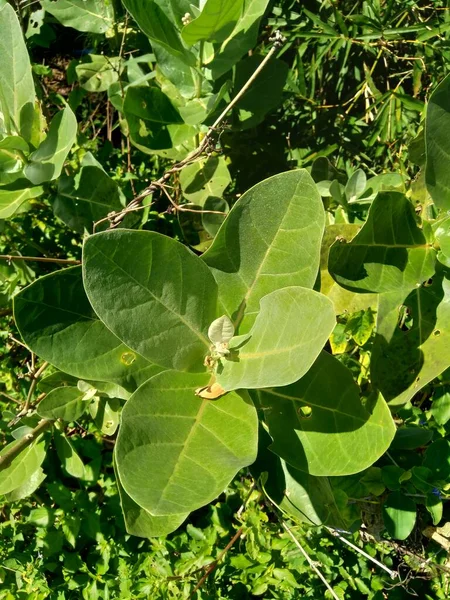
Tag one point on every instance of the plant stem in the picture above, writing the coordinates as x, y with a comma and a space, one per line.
60, 261
10, 455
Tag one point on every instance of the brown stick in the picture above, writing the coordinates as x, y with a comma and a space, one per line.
60, 261
10, 455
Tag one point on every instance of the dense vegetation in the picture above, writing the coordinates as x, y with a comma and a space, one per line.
225, 299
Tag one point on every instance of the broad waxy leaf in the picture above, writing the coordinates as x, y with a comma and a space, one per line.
140, 522
389, 253
65, 403
204, 179
291, 328
437, 144
57, 322
22, 468
214, 23
13, 197
319, 424
275, 230
17, 94
93, 16
86, 198
28, 487
404, 359
157, 26
47, 161
242, 38
176, 452
150, 103
153, 293
97, 72
71, 462
399, 515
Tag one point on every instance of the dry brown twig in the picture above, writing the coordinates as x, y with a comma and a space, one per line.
207, 145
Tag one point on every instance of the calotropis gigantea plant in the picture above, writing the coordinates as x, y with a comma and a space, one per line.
137, 321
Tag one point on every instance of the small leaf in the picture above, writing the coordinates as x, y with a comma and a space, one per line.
13, 197
65, 403
409, 438
27, 488
221, 330
22, 468
96, 73
70, 460
399, 515
355, 185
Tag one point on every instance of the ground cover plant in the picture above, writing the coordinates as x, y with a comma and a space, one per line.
191, 340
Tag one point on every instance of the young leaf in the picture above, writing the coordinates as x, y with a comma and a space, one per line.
17, 94
290, 330
70, 460
57, 322
270, 239
93, 16
437, 143
13, 197
336, 434
355, 185
153, 293
221, 330
65, 403
388, 254
47, 161
176, 452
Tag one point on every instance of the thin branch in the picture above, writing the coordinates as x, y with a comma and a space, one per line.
311, 563
34, 379
60, 261
206, 146
393, 574
7, 457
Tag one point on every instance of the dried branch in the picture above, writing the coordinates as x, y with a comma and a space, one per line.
59, 261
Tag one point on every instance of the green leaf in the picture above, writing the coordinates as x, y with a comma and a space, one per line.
141, 523
93, 16
355, 185
442, 235
409, 438
275, 231
17, 94
265, 94
96, 73
65, 403
57, 322
176, 452
437, 144
203, 179
86, 198
399, 515
214, 23
240, 40
47, 161
160, 312
435, 507
221, 330
106, 414
157, 26
27, 488
70, 460
405, 359
13, 197
440, 408
150, 103
437, 459
388, 254
22, 468
319, 424
290, 330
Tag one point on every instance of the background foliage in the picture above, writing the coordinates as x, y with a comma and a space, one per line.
349, 84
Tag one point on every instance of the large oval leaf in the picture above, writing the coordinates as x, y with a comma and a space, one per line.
65, 403
153, 293
94, 16
319, 424
437, 142
271, 239
214, 23
389, 253
57, 322
176, 452
291, 328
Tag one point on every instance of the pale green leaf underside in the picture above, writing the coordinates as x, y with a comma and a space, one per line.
65, 403
437, 144
340, 436
291, 328
270, 239
390, 252
57, 322
12, 200
21, 469
176, 452
16, 81
94, 16
153, 293
214, 23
